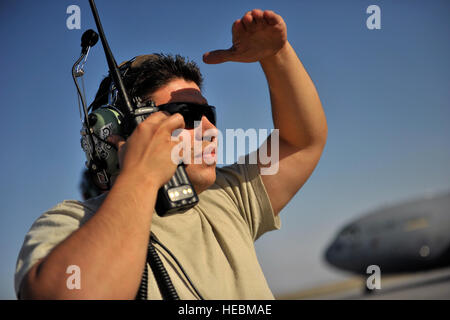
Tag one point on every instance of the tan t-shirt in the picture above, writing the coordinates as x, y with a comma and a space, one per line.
213, 241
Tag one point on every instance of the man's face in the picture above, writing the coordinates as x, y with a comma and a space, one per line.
202, 175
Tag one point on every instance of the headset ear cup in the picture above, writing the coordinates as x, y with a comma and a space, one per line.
102, 158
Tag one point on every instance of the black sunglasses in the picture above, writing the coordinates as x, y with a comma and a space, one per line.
191, 112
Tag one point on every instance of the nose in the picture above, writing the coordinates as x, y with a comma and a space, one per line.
209, 131
206, 124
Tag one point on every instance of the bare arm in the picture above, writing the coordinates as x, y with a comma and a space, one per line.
111, 247
297, 113
296, 108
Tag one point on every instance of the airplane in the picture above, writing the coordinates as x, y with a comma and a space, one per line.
407, 237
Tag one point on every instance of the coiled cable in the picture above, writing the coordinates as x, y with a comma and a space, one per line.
165, 285
152, 237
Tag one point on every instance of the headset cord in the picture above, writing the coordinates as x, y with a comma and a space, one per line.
152, 237
142, 293
162, 278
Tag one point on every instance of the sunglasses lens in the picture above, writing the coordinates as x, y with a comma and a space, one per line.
191, 112
211, 115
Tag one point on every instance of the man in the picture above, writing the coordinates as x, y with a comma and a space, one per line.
107, 237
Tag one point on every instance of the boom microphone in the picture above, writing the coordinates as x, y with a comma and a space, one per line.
89, 39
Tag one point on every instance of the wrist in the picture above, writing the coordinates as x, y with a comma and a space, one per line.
135, 181
278, 57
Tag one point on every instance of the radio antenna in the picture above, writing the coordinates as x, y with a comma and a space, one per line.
113, 69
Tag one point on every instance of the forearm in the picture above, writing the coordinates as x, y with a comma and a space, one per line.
296, 108
110, 249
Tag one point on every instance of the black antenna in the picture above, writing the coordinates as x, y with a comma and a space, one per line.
113, 69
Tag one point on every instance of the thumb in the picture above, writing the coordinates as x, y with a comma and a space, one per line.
116, 140
120, 144
218, 56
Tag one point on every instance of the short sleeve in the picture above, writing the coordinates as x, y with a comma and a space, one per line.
243, 183
50, 229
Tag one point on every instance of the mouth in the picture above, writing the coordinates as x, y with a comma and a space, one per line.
209, 157
208, 154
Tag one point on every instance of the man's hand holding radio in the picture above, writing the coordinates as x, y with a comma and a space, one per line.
146, 155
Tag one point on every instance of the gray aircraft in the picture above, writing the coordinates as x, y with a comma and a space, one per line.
407, 237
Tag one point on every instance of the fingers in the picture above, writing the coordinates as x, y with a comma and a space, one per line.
160, 121
258, 16
156, 118
255, 19
172, 123
115, 139
238, 26
247, 21
218, 56
271, 17
120, 145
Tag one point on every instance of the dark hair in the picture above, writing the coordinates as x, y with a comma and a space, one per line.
148, 73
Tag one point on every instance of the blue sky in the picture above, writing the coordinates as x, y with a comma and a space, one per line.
385, 94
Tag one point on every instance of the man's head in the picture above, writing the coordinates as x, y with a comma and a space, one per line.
165, 79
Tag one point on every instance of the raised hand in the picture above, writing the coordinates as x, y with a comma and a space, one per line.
256, 36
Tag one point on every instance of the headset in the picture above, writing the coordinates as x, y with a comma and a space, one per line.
120, 116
